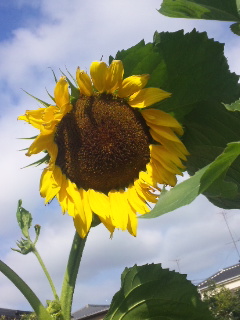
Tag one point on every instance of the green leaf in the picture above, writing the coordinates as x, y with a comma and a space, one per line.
225, 10
235, 27
151, 292
191, 66
235, 106
24, 219
203, 180
208, 129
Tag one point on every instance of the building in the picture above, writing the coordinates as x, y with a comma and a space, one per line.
228, 278
91, 312
11, 314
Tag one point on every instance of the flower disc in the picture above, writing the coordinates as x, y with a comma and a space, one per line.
103, 143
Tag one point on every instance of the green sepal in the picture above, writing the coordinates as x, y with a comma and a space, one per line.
24, 219
54, 308
75, 93
95, 221
25, 246
45, 104
54, 75
37, 229
38, 162
151, 292
50, 96
31, 138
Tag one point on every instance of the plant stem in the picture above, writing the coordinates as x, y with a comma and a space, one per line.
46, 273
26, 291
70, 276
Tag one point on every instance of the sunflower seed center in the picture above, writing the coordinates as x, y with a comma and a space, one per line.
103, 143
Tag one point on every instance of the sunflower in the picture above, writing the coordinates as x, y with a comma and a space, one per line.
107, 152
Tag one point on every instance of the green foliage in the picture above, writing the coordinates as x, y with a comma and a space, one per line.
150, 292
208, 129
225, 10
235, 106
31, 316
223, 303
191, 66
24, 219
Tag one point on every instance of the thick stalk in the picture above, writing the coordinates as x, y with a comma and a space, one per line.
46, 273
36, 304
70, 276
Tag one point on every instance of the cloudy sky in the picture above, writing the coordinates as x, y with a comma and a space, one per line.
36, 35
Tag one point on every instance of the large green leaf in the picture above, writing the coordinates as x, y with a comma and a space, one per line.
208, 129
191, 66
225, 10
151, 292
211, 178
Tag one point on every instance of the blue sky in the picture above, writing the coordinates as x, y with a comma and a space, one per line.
61, 33
14, 15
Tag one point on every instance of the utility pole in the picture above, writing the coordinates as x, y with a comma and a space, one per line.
233, 240
178, 265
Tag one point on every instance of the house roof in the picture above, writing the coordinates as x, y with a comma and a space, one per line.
89, 310
12, 313
222, 275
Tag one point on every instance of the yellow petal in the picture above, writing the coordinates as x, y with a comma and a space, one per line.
61, 93
98, 71
168, 165
99, 203
84, 82
146, 97
114, 76
42, 142
145, 192
158, 117
147, 179
157, 132
173, 146
108, 223
62, 195
87, 210
166, 155
132, 84
119, 209
136, 201
45, 181
79, 226
74, 193
54, 187
132, 223
162, 175
34, 117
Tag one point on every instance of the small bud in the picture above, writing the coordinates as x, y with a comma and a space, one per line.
25, 246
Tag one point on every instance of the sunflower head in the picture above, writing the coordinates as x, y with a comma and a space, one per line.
107, 152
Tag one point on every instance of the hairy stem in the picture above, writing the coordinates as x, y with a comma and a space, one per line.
26, 291
46, 273
70, 276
